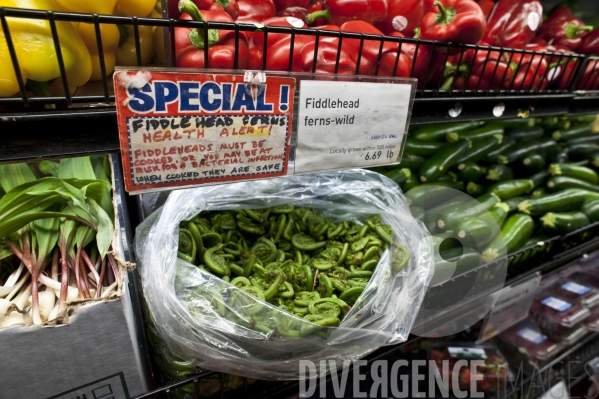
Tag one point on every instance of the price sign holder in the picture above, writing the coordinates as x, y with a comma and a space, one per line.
182, 128
347, 124
510, 306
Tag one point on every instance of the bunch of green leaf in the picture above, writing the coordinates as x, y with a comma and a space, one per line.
50, 221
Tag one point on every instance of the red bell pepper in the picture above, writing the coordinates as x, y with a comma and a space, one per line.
277, 55
255, 11
282, 4
563, 28
372, 11
486, 6
318, 17
456, 21
403, 16
590, 77
371, 49
326, 59
590, 43
191, 45
513, 23
231, 7
422, 65
289, 22
427, 6
530, 69
479, 70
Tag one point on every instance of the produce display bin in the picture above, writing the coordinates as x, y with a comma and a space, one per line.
102, 333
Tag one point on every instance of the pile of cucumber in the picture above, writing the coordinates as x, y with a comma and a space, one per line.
537, 178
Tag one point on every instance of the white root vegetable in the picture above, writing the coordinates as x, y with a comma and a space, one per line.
14, 276
17, 287
73, 295
47, 299
14, 319
6, 307
53, 313
5, 290
106, 292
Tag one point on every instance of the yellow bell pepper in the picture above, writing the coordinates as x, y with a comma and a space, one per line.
35, 50
110, 41
136, 8
88, 6
158, 34
126, 53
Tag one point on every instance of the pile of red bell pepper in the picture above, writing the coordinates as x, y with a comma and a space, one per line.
511, 24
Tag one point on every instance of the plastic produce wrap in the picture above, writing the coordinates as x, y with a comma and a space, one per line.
215, 324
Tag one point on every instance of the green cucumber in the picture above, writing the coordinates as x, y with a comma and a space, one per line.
589, 119
475, 190
506, 144
417, 213
442, 206
562, 201
411, 161
520, 150
500, 212
581, 151
572, 133
557, 155
553, 123
588, 195
516, 230
526, 134
513, 203
534, 161
539, 178
532, 241
452, 262
511, 188
398, 175
476, 231
410, 183
564, 222
592, 138
438, 131
483, 132
480, 149
470, 172
518, 123
538, 192
557, 183
442, 161
499, 173
452, 216
591, 209
423, 148
578, 172
449, 176
430, 195
594, 161
467, 259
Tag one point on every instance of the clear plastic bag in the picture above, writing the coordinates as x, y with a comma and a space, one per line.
219, 327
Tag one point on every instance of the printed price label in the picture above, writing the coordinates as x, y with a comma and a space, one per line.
575, 288
510, 306
466, 353
351, 124
556, 304
185, 129
532, 336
